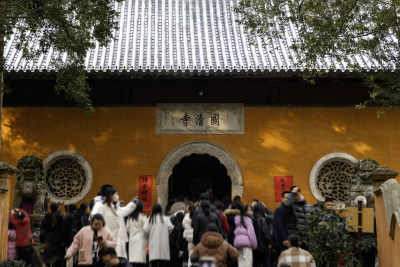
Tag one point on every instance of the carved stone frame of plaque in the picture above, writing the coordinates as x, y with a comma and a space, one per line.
200, 118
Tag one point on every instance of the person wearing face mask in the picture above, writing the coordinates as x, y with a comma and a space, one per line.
114, 215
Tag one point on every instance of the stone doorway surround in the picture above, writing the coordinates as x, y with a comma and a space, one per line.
197, 147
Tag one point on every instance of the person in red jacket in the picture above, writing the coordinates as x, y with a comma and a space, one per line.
19, 218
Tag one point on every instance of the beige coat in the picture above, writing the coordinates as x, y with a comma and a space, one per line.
138, 239
158, 237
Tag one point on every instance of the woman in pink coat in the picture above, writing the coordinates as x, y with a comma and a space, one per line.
245, 238
90, 240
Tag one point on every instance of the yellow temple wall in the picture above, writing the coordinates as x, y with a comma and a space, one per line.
120, 143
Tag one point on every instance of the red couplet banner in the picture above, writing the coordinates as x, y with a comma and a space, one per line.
145, 186
282, 184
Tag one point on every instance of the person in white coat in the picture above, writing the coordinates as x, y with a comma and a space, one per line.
188, 229
138, 238
114, 215
158, 227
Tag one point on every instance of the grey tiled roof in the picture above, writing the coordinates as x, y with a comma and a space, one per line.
164, 35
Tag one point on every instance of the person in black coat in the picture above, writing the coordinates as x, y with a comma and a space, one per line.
51, 235
176, 241
202, 220
261, 255
81, 218
213, 208
68, 224
284, 224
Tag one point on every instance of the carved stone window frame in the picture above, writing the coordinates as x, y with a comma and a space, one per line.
197, 147
62, 154
336, 156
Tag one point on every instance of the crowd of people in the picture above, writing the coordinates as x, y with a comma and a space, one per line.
201, 233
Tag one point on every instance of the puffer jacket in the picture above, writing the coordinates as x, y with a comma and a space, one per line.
244, 236
213, 245
301, 210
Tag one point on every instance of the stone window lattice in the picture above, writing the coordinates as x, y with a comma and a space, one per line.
66, 178
334, 180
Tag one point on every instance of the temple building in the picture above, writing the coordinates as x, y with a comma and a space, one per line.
184, 102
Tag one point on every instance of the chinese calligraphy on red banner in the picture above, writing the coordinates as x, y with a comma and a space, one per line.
145, 186
282, 184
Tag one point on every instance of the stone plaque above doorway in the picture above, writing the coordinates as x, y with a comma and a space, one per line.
200, 118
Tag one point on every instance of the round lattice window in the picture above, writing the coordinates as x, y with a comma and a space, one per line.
68, 176
333, 180
331, 177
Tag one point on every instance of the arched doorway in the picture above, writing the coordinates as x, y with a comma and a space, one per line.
198, 147
196, 173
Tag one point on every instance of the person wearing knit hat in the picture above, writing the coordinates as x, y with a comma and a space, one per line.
114, 215
213, 245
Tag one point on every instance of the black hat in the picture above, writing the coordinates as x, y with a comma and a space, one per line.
110, 191
212, 227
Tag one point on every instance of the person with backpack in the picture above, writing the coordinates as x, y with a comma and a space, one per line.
202, 220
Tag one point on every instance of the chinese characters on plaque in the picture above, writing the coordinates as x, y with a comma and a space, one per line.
145, 186
200, 118
282, 184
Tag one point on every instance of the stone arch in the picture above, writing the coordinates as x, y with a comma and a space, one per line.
336, 156
197, 147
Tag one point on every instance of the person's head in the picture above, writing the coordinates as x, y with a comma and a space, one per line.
297, 193
246, 210
110, 257
205, 207
179, 218
329, 203
212, 227
284, 196
71, 208
111, 196
259, 209
294, 240
190, 208
254, 202
204, 197
54, 207
84, 209
97, 222
236, 205
157, 210
219, 205
138, 210
103, 189
237, 199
